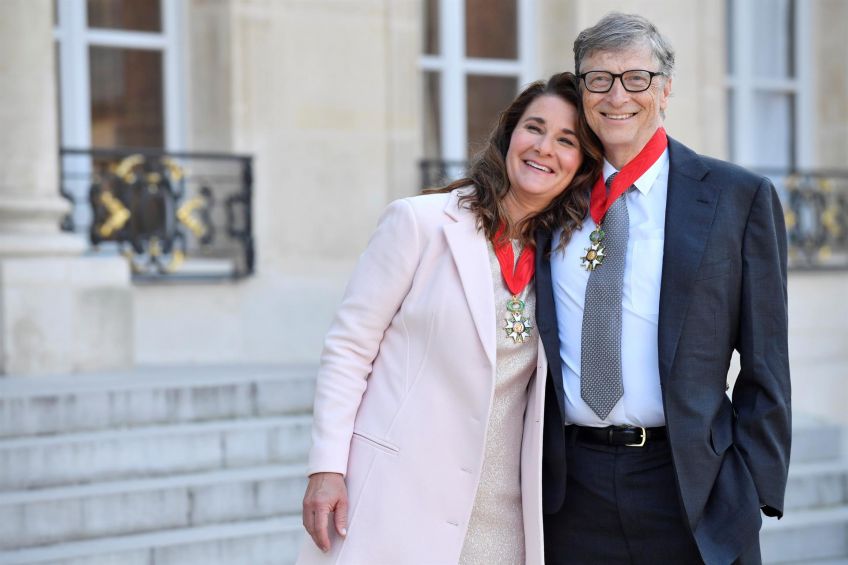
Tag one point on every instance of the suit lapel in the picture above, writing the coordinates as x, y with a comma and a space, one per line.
690, 210
471, 256
546, 319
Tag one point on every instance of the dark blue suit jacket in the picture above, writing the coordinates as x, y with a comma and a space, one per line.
723, 289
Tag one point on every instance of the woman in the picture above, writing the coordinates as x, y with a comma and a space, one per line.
428, 419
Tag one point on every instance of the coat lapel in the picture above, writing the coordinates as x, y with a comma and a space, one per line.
690, 210
471, 256
546, 319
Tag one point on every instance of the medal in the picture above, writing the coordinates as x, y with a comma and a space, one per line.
595, 252
517, 325
602, 198
516, 275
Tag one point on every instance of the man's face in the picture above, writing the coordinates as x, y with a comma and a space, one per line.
624, 121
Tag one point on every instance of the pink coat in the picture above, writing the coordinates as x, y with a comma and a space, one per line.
405, 389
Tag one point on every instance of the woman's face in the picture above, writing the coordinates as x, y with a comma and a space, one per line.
543, 153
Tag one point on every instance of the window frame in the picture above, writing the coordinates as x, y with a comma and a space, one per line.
74, 38
453, 67
744, 86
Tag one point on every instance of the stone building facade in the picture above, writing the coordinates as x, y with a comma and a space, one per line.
154, 400
338, 102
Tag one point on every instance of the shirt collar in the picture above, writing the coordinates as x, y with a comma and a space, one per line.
644, 183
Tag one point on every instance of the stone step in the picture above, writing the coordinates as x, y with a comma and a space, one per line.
813, 440
273, 541
819, 484
60, 515
806, 535
150, 396
88, 457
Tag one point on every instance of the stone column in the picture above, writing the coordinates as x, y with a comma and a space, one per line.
59, 311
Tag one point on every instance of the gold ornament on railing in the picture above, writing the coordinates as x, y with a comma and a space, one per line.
184, 215
119, 215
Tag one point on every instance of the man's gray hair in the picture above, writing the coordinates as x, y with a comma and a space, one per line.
617, 31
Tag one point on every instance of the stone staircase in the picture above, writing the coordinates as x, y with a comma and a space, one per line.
206, 466
154, 466
814, 529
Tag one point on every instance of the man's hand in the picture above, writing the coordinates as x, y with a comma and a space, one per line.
325, 493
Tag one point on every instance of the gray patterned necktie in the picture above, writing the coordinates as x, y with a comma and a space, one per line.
600, 349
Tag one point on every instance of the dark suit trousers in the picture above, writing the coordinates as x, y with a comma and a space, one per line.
622, 507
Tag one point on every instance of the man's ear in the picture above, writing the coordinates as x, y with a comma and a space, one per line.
665, 94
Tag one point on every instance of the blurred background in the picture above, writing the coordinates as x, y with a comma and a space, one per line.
185, 186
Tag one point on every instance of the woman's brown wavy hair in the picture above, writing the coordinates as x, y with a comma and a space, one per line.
487, 170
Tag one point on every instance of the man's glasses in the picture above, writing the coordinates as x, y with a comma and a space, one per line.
636, 80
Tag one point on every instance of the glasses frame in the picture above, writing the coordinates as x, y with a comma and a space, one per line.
619, 76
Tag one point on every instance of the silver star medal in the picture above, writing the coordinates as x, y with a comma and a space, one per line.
595, 252
517, 325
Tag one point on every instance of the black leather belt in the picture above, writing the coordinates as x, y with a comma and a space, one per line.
616, 435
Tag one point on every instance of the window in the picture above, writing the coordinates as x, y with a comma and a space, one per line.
119, 80
476, 56
768, 83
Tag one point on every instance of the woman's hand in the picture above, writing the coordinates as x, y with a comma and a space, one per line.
325, 493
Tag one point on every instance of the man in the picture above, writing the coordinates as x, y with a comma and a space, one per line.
647, 460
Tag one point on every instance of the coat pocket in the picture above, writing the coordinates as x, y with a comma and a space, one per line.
380, 444
721, 431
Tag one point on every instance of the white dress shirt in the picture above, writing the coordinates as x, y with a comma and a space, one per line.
641, 404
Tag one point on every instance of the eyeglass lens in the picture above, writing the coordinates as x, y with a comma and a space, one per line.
633, 81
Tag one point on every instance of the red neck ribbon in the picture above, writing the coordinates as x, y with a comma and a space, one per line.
517, 277
601, 200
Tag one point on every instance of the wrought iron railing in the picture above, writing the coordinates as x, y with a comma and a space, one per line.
174, 216
435, 172
815, 206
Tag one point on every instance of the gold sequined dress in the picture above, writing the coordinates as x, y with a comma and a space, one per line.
495, 533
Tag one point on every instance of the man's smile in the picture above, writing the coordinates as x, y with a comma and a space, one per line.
618, 116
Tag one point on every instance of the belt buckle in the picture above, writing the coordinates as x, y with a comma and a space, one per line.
644, 437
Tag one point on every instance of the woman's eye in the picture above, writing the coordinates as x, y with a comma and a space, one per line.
566, 141
534, 128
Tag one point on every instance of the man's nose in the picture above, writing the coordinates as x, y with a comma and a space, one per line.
617, 93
